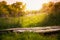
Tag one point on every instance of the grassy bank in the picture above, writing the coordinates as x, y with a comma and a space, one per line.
28, 36
23, 21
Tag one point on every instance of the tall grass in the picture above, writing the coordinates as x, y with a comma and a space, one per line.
26, 36
32, 20
9, 22
23, 21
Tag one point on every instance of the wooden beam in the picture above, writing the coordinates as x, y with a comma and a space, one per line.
34, 29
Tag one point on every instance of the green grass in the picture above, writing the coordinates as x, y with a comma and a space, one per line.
27, 36
32, 20
23, 21
26, 21
10, 22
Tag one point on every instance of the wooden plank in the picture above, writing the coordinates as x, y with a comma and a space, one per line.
34, 29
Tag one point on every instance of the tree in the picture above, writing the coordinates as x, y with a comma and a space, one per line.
13, 10
16, 9
47, 7
3, 9
54, 15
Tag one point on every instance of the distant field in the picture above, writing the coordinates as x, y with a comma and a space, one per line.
33, 20
30, 20
23, 21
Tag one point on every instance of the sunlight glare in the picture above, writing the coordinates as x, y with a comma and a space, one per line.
34, 4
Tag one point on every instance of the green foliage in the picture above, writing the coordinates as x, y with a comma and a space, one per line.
54, 15
10, 22
11, 17
25, 36
33, 20
45, 18
13, 10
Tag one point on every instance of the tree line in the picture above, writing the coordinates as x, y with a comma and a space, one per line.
13, 10
53, 10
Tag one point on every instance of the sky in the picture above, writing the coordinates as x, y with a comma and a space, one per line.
31, 4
